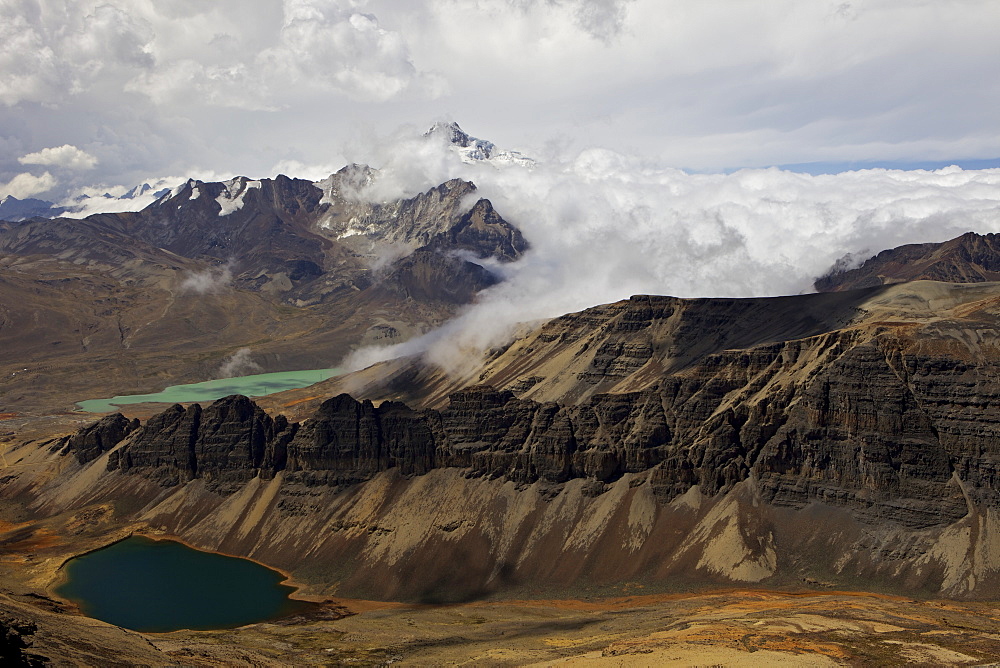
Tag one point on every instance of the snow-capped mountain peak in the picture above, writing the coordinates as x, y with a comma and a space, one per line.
472, 150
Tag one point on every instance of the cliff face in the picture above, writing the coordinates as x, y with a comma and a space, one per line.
844, 438
229, 442
862, 424
92, 441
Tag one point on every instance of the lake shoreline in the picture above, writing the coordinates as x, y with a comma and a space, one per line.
320, 604
255, 385
158, 585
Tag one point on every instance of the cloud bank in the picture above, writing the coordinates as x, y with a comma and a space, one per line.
605, 226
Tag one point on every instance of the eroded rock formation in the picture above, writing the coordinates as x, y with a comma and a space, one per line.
864, 424
845, 438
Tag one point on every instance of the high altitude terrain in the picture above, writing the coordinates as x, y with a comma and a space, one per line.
650, 439
838, 440
298, 272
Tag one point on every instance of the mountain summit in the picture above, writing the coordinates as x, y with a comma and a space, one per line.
472, 149
14, 209
302, 272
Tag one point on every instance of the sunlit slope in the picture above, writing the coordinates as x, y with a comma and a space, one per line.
633, 344
854, 444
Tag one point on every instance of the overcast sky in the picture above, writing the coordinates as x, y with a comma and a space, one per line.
655, 125
114, 92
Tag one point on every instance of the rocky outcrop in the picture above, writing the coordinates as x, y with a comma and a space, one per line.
483, 232
164, 446
15, 642
429, 275
92, 441
841, 419
348, 441
227, 443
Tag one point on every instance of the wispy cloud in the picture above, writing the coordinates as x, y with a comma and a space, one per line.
240, 363
209, 281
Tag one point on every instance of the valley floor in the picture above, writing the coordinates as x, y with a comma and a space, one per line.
735, 627
731, 627
621, 626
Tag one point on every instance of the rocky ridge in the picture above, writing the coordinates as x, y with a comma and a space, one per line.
970, 258
878, 422
298, 274
854, 434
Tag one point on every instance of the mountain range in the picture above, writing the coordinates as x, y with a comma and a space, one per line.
838, 440
298, 272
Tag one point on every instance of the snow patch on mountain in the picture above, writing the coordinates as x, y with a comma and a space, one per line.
231, 199
114, 199
177, 190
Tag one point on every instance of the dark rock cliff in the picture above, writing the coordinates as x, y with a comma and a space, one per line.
15, 643
94, 440
838, 418
483, 232
231, 441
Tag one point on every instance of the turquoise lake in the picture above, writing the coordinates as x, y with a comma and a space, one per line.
158, 586
258, 385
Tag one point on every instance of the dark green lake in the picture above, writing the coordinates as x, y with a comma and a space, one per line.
158, 586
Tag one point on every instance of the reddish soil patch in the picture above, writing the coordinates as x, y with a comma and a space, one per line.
300, 401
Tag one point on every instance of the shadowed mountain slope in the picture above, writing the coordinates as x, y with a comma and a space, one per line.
970, 258
853, 449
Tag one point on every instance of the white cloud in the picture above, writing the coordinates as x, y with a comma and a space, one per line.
325, 45
313, 172
605, 226
240, 363
27, 185
603, 20
320, 46
67, 156
209, 281
53, 48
